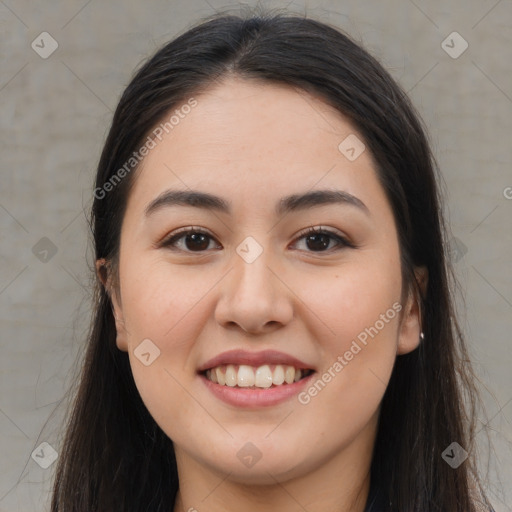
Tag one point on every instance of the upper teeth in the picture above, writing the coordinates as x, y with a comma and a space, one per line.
247, 376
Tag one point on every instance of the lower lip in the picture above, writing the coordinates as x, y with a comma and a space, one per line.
259, 397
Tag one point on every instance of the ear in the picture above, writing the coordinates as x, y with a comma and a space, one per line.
104, 273
411, 323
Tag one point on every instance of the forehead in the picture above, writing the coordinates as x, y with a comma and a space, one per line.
255, 140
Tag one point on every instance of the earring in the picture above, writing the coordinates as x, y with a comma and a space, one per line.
422, 336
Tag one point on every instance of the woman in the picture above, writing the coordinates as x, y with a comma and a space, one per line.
273, 327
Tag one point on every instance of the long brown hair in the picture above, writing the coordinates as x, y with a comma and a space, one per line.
114, 456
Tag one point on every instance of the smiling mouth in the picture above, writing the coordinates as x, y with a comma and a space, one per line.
262, 377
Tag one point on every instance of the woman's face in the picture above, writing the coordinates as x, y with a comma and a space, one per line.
251, 296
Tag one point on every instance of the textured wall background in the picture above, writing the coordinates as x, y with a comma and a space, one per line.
56, 109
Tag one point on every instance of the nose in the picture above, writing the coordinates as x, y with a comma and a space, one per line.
254, 298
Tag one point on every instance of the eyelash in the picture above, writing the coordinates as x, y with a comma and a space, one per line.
170, 241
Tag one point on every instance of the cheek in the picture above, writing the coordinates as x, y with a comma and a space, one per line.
168, 311
162, 303
361, 318
166, 308
354, 299
171, 306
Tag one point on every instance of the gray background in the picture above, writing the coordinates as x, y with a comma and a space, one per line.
54, 116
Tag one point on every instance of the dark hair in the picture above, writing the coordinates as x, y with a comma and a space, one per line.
430, 400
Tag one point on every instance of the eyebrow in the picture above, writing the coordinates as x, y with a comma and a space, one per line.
291, 203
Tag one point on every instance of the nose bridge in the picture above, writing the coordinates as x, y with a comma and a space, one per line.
252, 277
253, 296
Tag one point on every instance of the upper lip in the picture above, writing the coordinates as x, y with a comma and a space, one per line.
253, 359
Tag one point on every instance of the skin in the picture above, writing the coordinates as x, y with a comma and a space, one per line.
252, 143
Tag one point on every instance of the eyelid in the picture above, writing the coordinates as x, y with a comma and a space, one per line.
178, 233
342, 240
325, 230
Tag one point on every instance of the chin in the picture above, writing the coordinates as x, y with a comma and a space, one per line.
263, 469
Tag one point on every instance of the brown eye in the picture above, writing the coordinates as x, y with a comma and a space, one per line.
196, 240
190, 240
319, 240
